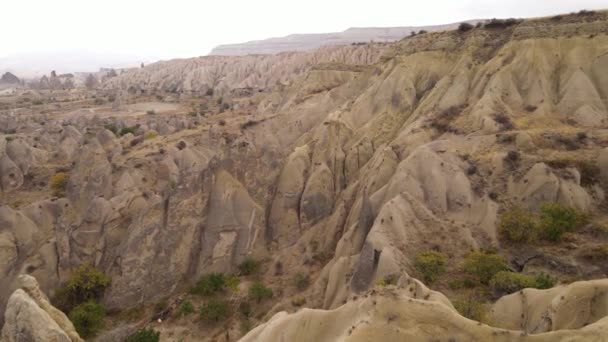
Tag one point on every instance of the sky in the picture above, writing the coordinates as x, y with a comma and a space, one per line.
163, 29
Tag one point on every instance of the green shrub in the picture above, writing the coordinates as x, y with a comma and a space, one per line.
233, 283
505, 282
87, 318
144, 335
430, 265
185, 308
214, 310
151, 112
127, 130
99, 102
86, 284
259, 292
483, 265
301, 281
508, 282
209, 284
249, 266
556, 220
58, 183
545, 281
518, 225
471, 308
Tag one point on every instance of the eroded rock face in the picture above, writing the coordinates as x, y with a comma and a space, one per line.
30, 317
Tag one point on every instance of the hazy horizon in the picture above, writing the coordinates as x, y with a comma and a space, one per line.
147, 31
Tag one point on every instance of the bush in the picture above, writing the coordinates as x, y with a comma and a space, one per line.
209, 92
471, 308
556, 219
501, 23
430, 265
214, 310
259, 292
144, 335
249, 266
151, 112
483, 265
518, 225
58, 183
509, 282
185, 308
209, 284
233, 283
505, 282
99, 102
545, 281
301, 281
87, 318
464, 27
127, 130
86, 284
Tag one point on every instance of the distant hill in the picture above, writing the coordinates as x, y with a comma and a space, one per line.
305, 42
34, 65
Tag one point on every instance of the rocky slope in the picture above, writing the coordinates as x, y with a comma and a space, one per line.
220, 73
345, 173
307, 42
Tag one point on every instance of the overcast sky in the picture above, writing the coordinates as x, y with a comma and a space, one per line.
184, 28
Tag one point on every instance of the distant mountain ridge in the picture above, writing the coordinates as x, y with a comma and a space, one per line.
306, 42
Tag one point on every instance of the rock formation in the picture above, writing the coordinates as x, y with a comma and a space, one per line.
30, 317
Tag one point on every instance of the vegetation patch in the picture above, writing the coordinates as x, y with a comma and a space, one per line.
58, 183
209, 284
214, 310
185, 308
556, 220
483, 265
301, 281
86, 284
87, 318
471, 308
144, 335
249, 266
505, 282
430, 265
518, 225
259, 292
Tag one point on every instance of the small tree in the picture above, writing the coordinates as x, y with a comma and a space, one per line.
259, 292
214, 310
87, 318
86, 284
249, 266
209, 284
185, 308
430, 265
